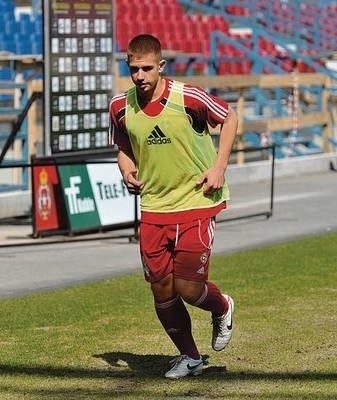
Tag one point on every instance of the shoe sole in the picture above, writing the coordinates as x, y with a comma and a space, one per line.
195, 373
192, 373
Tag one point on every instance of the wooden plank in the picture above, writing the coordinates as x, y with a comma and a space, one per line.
239, 81
34, 132
258, 125
7, 118
287, 80
248, 81
7, 91
286, 123
35, 85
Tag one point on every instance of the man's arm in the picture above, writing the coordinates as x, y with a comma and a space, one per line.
119, 137
127, 167
227, 136
213, 179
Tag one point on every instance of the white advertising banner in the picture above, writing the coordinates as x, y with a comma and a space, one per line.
115, 205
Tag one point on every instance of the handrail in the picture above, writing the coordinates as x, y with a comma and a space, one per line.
298, 21
17, 124
252, 55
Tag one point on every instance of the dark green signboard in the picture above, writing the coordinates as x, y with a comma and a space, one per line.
79, 198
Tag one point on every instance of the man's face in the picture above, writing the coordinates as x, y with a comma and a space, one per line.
144, 71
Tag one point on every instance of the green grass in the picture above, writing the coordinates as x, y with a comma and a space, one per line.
103, 341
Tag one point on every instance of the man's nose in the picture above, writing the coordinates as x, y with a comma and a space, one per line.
140, 74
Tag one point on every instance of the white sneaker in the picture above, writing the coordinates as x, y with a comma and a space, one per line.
184, 365
222, 327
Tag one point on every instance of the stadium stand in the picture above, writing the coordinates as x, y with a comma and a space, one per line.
22, 32
180, 22
256, 24
20, 36
241, 37
220, 38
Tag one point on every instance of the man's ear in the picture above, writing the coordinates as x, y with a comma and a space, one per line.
162, 65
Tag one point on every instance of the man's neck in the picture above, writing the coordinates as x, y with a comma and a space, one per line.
144, 98
159, 90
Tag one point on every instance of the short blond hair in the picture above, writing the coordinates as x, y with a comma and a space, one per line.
144, 44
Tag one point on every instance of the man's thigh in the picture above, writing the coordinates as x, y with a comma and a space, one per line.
193, 249
157, 250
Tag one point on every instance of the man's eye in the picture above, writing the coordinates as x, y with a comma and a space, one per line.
134, 70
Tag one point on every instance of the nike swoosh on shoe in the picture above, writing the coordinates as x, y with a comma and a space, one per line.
191, 368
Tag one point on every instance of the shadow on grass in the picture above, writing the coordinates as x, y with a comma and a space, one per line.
123, 364
152, 365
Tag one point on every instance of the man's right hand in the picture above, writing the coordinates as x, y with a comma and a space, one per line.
133, 185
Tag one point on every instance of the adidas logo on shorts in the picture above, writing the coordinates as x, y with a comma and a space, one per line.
157, 136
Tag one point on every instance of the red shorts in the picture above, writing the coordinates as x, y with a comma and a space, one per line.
182, 249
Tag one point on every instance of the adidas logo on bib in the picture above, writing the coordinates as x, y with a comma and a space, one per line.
157, 136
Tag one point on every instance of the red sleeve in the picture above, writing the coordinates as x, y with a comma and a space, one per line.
117, 132
213, 108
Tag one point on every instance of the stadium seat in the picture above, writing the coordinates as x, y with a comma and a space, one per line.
218, 22
223, 68
37, 22
26, 27
246, 66
24, 18
24, 46
234, 67
37, 44
7, 7
9, 45
11, 27
6, 74
237, 10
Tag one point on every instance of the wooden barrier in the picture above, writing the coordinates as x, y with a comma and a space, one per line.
243, 83
35, 129
240, 84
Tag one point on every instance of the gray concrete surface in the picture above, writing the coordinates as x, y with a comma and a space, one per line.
305, 204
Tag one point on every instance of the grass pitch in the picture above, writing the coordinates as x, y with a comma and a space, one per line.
103, 341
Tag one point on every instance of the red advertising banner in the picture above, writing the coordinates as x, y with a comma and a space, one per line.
45, 180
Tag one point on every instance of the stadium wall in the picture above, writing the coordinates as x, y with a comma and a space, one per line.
17, 204
287, 167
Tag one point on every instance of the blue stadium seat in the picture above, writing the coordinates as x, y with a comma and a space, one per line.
11, 27
37, 44
10, 45
37, 22
6, 74
24, 17
7, 6
24, 46
26, 25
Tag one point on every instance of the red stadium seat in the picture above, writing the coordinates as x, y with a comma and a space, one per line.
223, 68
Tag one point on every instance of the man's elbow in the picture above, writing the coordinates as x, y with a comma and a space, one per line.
232, 119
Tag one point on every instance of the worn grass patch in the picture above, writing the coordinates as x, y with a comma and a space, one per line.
103, 341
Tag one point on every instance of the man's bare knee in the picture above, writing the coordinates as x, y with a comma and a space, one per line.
163, 289
190, 291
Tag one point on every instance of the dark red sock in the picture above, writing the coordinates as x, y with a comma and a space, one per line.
212, 300
176, 321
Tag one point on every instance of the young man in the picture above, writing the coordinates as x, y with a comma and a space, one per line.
166, 155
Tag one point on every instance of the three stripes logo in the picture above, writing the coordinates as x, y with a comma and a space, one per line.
157, 136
